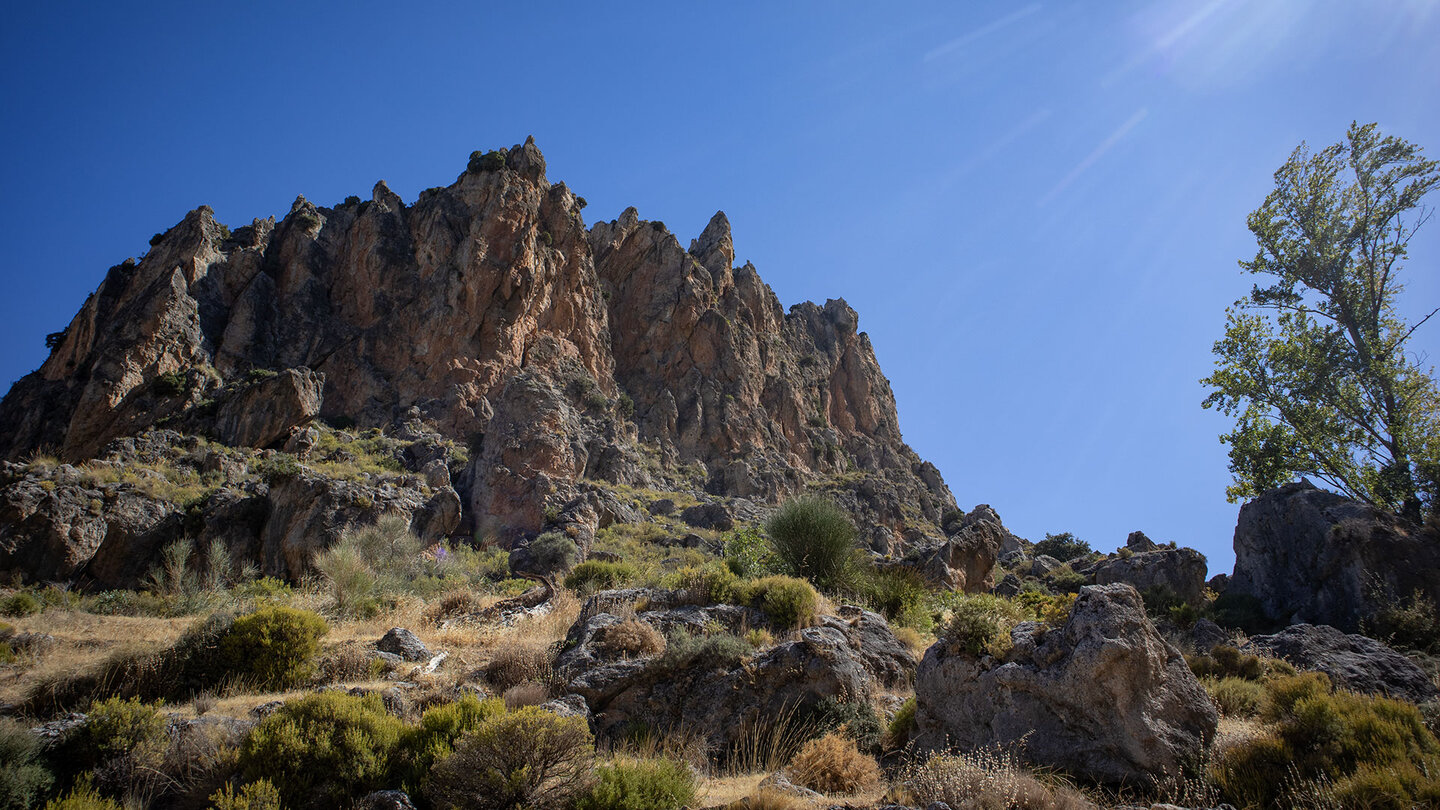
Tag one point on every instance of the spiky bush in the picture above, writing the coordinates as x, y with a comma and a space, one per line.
832, 764
599, 575
814, 539
632, 637
527, 758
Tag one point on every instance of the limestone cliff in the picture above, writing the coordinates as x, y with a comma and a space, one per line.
563, 359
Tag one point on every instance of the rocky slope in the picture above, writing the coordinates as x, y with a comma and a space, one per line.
562, 360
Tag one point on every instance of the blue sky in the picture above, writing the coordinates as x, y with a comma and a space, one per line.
1036, 209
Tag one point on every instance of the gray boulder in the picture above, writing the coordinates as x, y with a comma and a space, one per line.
1103, 697
1311, 556
265, 411
965, 562
1137, 541
1353, 662
400, 641
711, 515
848, 658
1178, 570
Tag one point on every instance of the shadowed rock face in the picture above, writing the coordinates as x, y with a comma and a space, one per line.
1312, 556
489, 312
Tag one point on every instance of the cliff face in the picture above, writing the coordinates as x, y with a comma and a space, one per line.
487, 313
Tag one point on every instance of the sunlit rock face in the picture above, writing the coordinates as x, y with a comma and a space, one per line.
557, 357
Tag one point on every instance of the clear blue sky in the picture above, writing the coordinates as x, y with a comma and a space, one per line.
1036, 209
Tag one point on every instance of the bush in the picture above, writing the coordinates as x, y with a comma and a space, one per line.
647, 784
83, 796
717, 651
1236, 697
902, 724
981, 623
632, 637
278, 468
518, 661
1241, 611
600, 575
259, 795
527, 758
1374, 751
23, 775
986, 779
789, 602
324, 748
748, 554
275, 645
813, 539
20, 603
1412, 624
491, 161
856, 719
553, 551
901, 595
832, 764
117, 727
172, 384
440, 727
1063, 547
1225, 661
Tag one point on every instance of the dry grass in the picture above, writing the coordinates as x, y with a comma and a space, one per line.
530, 693
632, 637
986, 780
517, 659
832, 764
82, 641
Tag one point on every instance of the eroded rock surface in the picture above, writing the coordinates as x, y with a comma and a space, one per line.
1353, 662
1180, 571
1103, 696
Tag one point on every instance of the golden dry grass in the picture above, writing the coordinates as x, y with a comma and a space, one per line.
82, 641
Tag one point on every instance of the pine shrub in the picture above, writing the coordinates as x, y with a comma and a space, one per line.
789, 602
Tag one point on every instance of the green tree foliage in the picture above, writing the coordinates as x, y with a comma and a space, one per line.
1313, 364
814, 539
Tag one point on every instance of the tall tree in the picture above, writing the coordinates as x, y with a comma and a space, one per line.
1314, 365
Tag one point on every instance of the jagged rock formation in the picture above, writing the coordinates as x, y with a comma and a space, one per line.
1177, 571
1103, 696
1312, 556
487, 313
1352, 662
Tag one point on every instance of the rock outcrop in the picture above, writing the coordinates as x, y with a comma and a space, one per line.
1353, 662
847, 658
1311, 556
1103, 697
1179, 571
557, 355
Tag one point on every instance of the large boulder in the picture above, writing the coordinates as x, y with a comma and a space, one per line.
847, 658
1353, 662
1103, 697
1311, 556
265, 411
1180, 571
966, 561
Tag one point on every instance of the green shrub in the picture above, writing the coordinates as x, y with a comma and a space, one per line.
1236, 697
647, 784
258, 795
789, 602
1241, 611
856, 718
717, 651
748, 554
526, 758
1225, 661
20, 603
440, 727
600, 575
981, 623
814, 539
1067, 579
1063, 547
1411, 624
324, 748
491, 161
902, 724
172, 384
1375, 751
901, 595
275, 645
278, 468
553, 551
118, 726
83, 796
23, 775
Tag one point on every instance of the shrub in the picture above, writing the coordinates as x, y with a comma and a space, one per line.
527, 758
1242, 611
856, 719
1411, 624
277, 468
324, 748
1225, 661
1236, 697
832, 764
553, 551
20, 603
901, 595
647, 784
440, 727
632, 637
748, 554
1066, 579
717, 651
1375, 751
600, 575
486, 161
789, 602
902, 724
83, 796
258, 795
171, 384
530, 693
813, 539
516, 661
23, 775
986, 779
275, 645
981, 623
1063, 547
116, 727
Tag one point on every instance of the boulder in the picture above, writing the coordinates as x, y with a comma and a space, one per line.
266, 410
1311, 556
1181, 571
847, 658
711, 515
1353, 662
400, 641
1137, 541
966, 561
1103, 697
